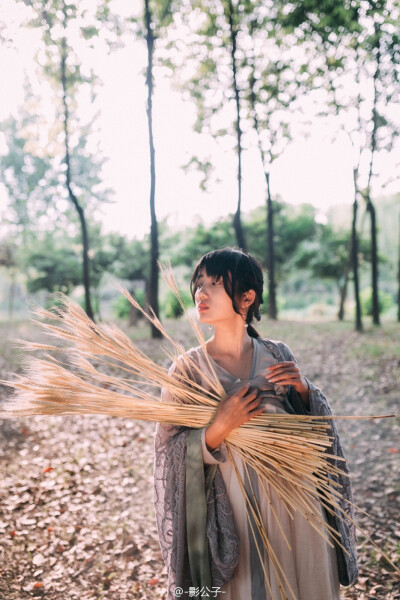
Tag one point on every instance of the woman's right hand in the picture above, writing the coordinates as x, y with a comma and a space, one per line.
232, 412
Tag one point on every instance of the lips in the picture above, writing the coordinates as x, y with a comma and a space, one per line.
202, 307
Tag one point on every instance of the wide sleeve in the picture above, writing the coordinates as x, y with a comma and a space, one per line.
170, 506
169, 496
343, 519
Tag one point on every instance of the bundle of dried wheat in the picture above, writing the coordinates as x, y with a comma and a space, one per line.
107, 374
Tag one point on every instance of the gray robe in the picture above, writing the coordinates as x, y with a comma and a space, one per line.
169, 497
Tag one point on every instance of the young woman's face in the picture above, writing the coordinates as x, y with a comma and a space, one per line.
212, 302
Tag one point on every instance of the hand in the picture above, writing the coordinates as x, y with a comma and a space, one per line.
288, 373
232, 412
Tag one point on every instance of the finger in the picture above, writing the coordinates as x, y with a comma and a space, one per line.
282, 368
254, 405
286, 381
250, 396
283, 371
256, 411
243, 391
285, 374
278, 365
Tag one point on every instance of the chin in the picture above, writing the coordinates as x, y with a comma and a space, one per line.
203, 318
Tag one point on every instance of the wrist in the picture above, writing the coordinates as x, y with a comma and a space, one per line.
214, 435
304, 394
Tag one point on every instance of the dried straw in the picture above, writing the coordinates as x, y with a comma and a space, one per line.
290, 452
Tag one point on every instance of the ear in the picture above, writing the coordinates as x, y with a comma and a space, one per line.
248, 299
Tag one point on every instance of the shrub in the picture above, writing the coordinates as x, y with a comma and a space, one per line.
121, 307
385, 301
171, 307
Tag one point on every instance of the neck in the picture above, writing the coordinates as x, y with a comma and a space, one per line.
229, 339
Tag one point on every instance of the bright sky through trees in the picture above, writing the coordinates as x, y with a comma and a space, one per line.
316, 170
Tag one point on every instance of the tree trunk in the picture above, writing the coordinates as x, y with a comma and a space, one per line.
398, 279
370, 206
152, 291
272, 309
133, 312
11, 293
270, 254
374, 264
354, 262
72, 197
237, 221
343, 292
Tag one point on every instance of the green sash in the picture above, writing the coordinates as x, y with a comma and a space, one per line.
196, 511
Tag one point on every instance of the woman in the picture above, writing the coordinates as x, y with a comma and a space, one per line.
257, 375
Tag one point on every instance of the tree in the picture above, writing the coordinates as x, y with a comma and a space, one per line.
157, 15
209, 71
327, 257
382, 50
51, 263
232, 15
398, 277
59, 21
239, 56
8, 260
27, 174
196, 241
361, 50
273, 87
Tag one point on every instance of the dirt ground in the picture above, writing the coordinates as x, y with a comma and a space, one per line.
76, 512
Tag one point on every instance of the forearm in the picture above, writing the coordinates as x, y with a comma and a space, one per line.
215, 435
305, 398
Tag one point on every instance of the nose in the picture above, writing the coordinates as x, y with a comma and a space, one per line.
201, 291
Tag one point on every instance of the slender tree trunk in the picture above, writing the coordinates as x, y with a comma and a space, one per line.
237, 220
343, 292
354, 262
133, 312
72, 197
270, 253
152, 290
370, 206
272, 309
398, 279
11, 294
374, 264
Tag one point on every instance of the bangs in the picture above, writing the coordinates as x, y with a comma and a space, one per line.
221, 264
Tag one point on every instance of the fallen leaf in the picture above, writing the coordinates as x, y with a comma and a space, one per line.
38, 560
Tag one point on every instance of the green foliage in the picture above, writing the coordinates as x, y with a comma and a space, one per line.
27, 173
292, 226
385, 301
121, 307
52, 263
171, 307
280, 302
202, 239
327, 255
131, 258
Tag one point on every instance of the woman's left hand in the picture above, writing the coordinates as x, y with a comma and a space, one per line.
287, 373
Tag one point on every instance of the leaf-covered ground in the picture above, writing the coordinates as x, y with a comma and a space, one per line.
76, 514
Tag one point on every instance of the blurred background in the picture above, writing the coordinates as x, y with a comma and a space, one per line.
133, 132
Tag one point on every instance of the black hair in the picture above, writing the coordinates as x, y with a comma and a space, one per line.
240, 273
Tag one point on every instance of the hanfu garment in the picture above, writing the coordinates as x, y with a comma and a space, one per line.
310, 566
